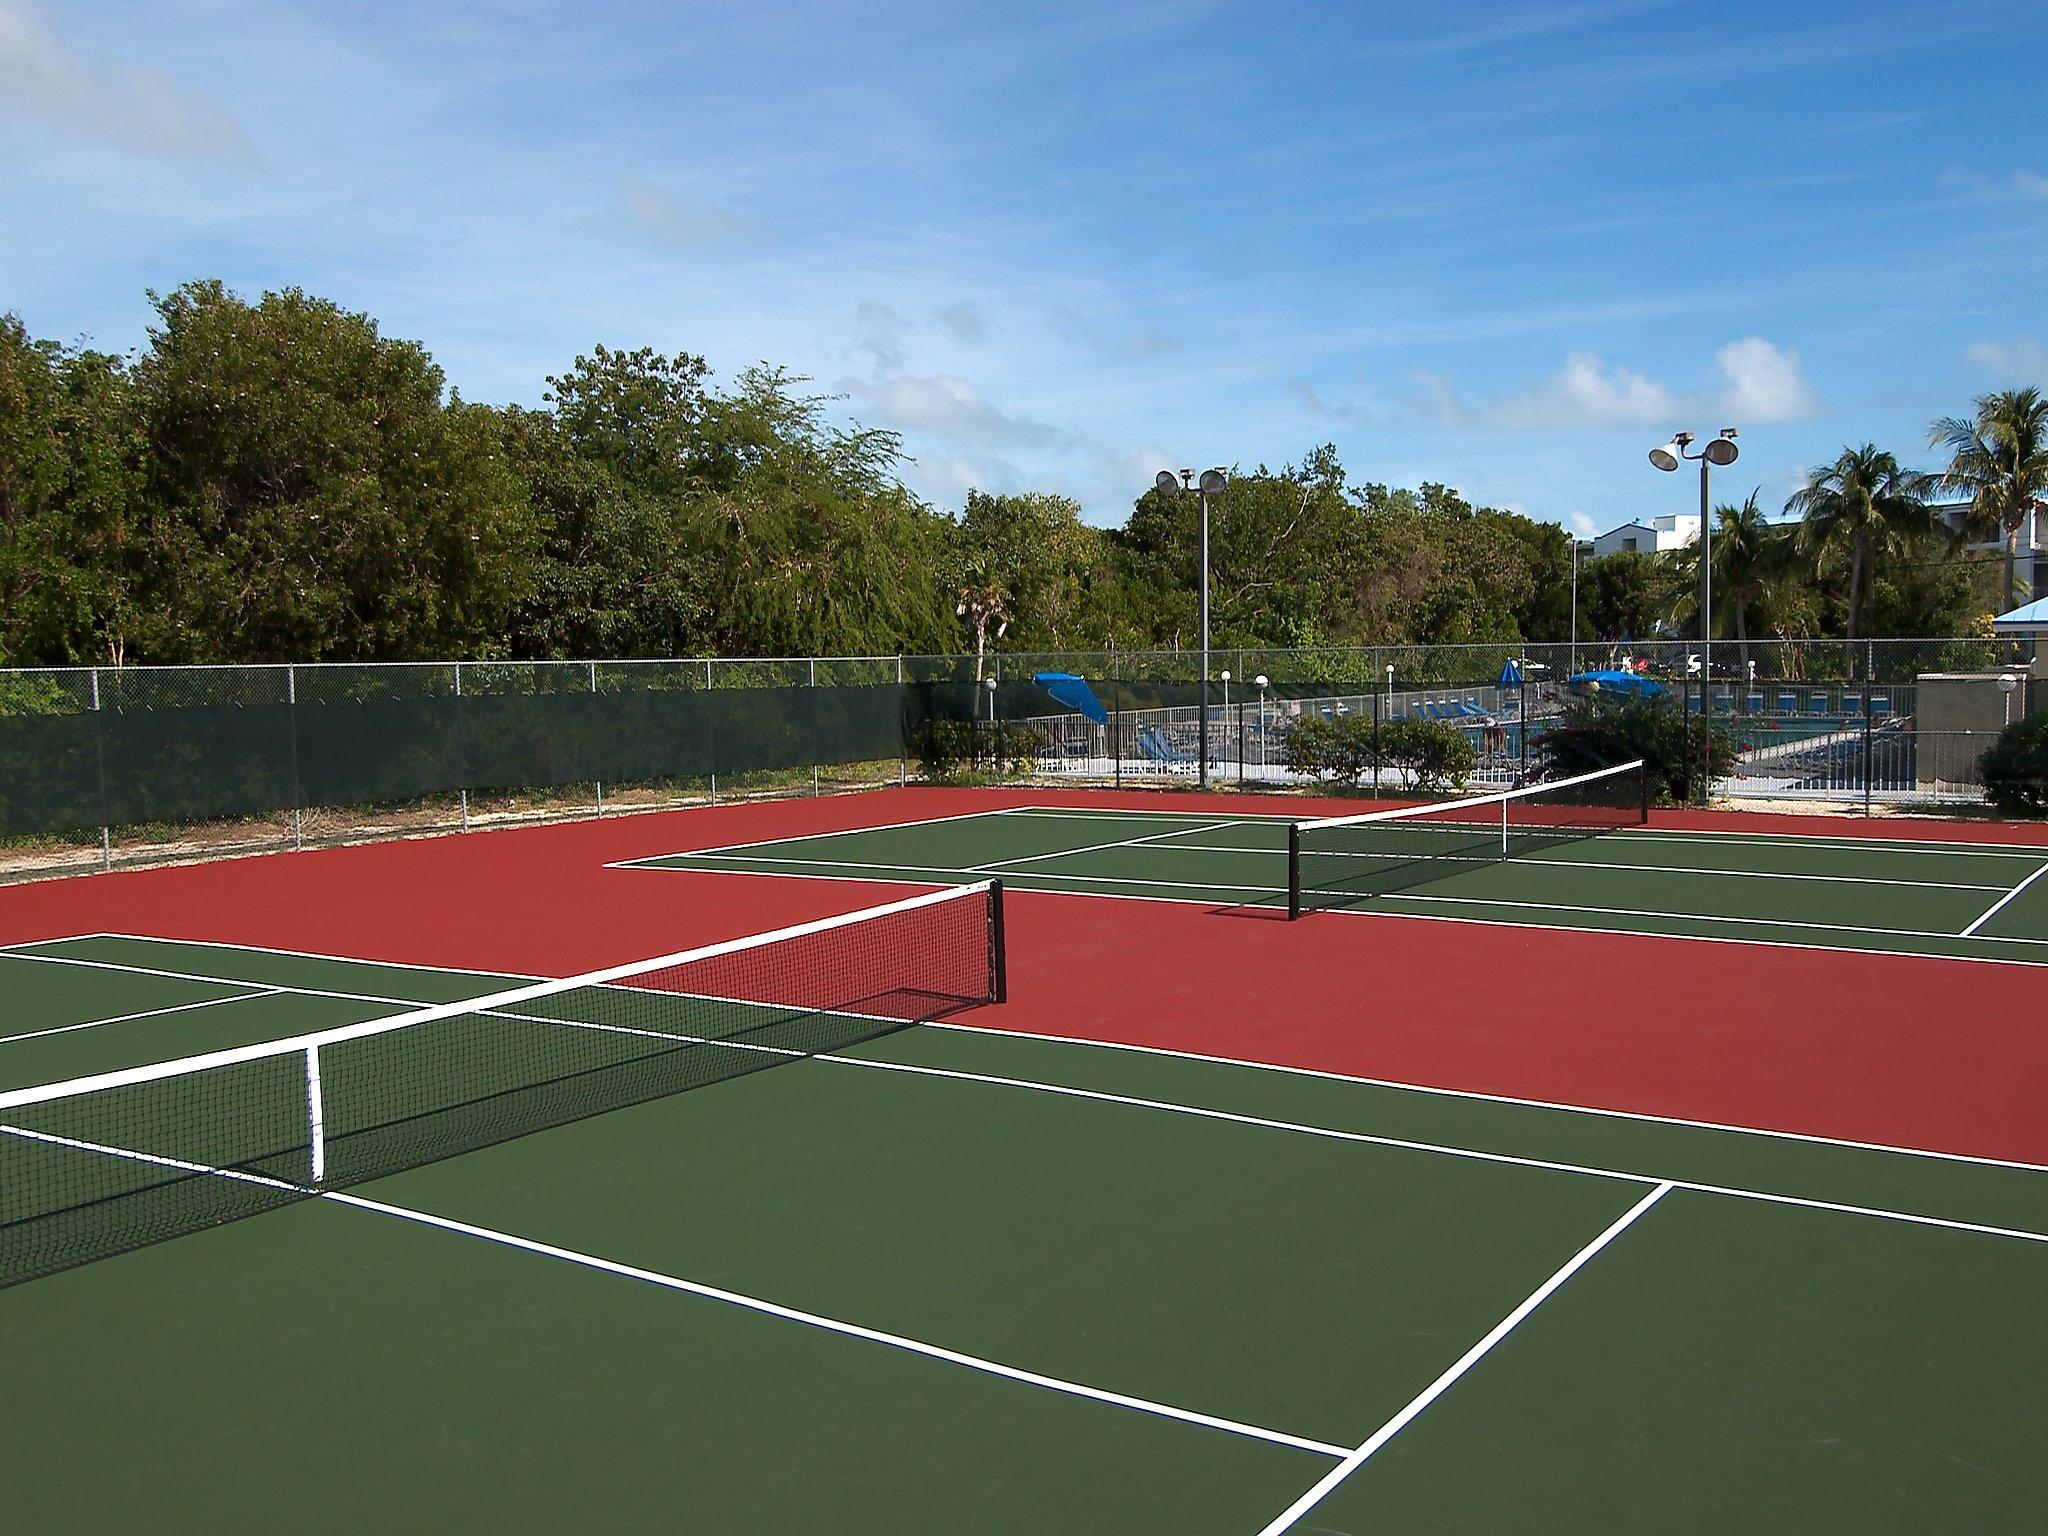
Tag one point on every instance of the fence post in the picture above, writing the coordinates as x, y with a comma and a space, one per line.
598, 782
1116, 721
814, 726
463, 788
99, 752
1869, 687
903, 719
291, 699
1240, 742
711, 714
1375, 742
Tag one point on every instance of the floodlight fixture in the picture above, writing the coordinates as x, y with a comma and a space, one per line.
1721, 450
1165, 482
1667, 457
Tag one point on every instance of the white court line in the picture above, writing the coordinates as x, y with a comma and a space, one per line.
1319, 1074
1702, 917
1746, 941
1197, 1056
1064, 853
1000, 1032
1822, 843
1442, 1149
1489, 861
1998, 905
1289, 1517
812, 837
296, 954
709, 1292
225, 981
147, 1013
839, 1326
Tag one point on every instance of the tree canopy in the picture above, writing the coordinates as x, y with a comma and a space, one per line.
276, 480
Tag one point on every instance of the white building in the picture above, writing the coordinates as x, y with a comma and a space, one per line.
1656, 536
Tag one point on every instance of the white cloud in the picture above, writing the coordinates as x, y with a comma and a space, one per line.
1581, 524
1764, 383
965, 321
2031, 185
953, 411
1136, 345
1760, 384
127, 106
2019, 358
681, 225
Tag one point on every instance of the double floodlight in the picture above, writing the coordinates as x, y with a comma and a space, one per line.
1166, 482
1720, 450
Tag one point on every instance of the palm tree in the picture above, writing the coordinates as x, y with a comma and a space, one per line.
1999, 459
1752, 559
1866, 507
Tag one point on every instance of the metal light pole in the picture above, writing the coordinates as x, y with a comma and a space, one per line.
1720, 450
1211, 483
1578, 547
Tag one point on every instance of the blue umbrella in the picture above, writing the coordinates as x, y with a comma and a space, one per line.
1620, 682
1073, 692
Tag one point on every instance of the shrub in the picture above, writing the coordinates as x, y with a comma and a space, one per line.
1340, 750
1439, 755
1598, 733
2015, 770
1337, 749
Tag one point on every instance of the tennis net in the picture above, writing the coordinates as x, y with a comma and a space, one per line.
99, 1165
1344, 861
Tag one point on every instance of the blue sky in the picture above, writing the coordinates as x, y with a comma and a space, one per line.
1059, 246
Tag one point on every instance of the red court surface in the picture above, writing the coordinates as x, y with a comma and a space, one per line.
1905, 1050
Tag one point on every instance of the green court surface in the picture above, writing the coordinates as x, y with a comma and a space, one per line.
1968, 900
957, 1279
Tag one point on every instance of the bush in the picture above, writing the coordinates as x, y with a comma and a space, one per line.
1440, 756
1340, 749
956, 747
1672, 743
2015, 770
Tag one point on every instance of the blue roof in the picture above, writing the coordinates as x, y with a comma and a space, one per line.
2030, 620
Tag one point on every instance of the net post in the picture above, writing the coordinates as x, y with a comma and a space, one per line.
1504, 826
998, 948
316, 1115
1293, 870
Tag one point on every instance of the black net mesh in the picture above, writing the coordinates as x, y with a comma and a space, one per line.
99, 1166
1347, 861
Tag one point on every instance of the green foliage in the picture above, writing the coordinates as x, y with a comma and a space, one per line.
1673, 744
2015, 770
959, 750
312, 492
1341, 751
276, 479
1338, 750
1438, 755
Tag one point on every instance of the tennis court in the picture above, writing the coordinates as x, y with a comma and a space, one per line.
933, 1272
1969, 900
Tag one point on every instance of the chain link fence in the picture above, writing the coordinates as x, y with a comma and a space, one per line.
106, 765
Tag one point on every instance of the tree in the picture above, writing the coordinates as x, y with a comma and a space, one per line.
1753, 561
1624, 596
1999, 459
69, 495
313, 495
1039, 557
1863, 508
